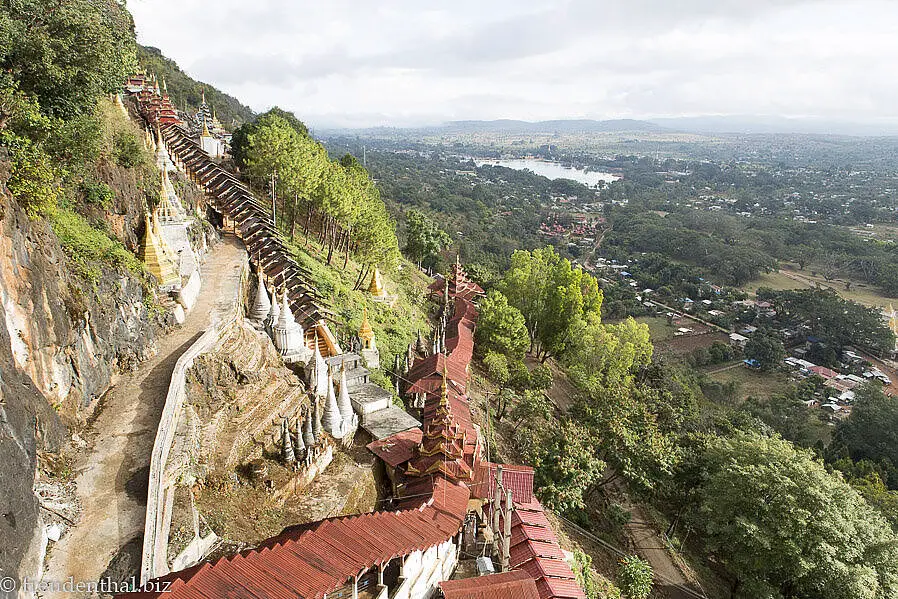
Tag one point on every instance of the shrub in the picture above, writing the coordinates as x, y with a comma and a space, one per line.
97, 194
128, 150
33, 179
586, 578
87, 246
618, 515
635, 577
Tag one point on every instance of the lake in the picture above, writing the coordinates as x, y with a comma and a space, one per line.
552, 170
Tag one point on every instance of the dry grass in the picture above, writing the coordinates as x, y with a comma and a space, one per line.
790, 277
753, 383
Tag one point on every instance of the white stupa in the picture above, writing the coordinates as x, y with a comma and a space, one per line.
289, 337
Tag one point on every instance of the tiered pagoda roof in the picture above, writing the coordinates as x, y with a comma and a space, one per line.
442, 448
460, 284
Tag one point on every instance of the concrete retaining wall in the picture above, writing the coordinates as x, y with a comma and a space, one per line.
155, 539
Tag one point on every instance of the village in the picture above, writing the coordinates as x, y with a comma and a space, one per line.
727, 315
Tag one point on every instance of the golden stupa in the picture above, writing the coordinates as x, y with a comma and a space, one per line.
366, 333
376, 288
154, 255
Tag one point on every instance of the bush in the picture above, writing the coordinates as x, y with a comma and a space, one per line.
586, 577
618, 515
128, 150
87, 246
97, 194
635, 577
33, 179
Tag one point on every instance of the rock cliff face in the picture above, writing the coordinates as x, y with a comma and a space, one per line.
61, 341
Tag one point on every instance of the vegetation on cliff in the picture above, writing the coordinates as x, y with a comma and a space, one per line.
58, 65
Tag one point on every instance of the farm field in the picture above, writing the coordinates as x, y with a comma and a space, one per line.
666, 341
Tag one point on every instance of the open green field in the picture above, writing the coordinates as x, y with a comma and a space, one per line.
789, 277
658, 327
753, 383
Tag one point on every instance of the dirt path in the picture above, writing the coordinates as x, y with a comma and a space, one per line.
112, 470
668, 576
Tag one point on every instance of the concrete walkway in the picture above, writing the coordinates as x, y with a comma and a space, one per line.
112, 470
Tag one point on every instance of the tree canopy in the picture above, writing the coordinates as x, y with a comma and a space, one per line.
424, 239
785, 527
501, 327
351, 215
765, 347
65, 55
871, 431
553, 296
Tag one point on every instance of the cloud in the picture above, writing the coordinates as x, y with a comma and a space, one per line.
403, 61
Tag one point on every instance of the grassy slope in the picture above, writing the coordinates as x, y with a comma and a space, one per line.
394, 326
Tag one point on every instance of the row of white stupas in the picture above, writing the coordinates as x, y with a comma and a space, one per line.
276, 318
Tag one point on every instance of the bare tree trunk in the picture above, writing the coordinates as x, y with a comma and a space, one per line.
348, 240
358, 280
308, 224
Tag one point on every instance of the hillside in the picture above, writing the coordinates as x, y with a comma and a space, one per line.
186, 91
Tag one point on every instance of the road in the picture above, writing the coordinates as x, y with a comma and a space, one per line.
112, 470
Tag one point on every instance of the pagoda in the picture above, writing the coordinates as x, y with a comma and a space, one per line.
153, 254
442, 447
369, 351
166, 211
376, 287
262, 305
458, 284
289, 337
166, 113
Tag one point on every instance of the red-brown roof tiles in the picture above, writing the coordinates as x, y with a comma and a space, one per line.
397, 449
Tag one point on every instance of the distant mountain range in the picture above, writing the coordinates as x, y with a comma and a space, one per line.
736, 124
556, 126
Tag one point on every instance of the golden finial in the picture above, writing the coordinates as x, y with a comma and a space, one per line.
444, 388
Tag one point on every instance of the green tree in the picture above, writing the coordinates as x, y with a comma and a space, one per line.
553, 296
501, 327
424, 239
837, 321
608, 355
784, 526
765, 347
566, 466
635, 577
625, 434
871, 431
533, 408
66, 55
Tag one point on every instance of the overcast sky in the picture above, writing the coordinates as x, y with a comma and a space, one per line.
402, 62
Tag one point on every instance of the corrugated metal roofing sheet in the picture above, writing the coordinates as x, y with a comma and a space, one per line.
507, 585
309, 561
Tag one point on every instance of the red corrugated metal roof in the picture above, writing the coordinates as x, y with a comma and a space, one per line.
507, 585
310, 561
397, 449
535, 548
517, 479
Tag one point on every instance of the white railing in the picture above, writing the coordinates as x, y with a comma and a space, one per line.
155, 540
